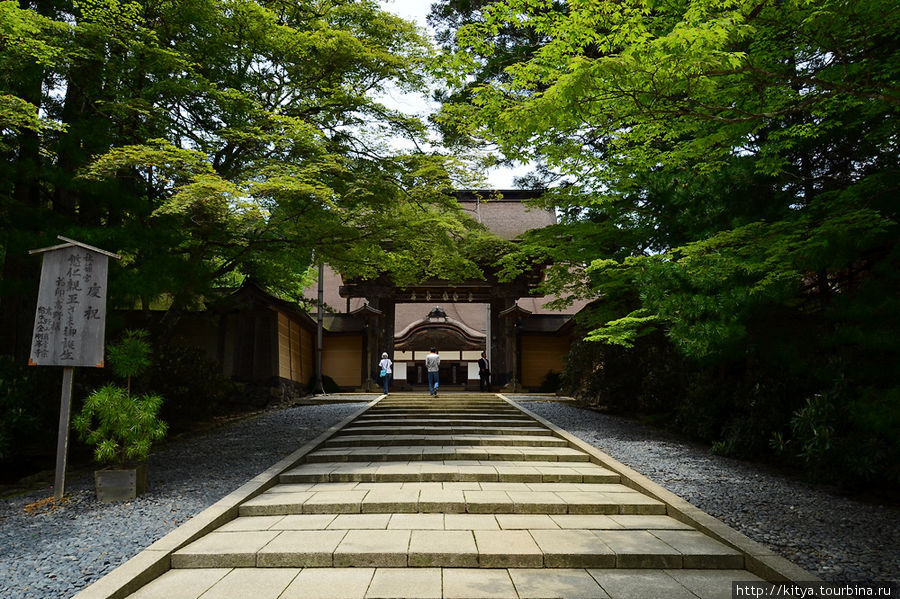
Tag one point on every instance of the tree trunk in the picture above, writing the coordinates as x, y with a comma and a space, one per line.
23, 229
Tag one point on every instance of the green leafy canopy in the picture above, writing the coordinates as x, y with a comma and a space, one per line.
208, 142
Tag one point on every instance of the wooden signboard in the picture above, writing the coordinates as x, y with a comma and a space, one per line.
70, 319
69, 323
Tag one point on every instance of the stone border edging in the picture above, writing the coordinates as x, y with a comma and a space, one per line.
758, 559
155, 560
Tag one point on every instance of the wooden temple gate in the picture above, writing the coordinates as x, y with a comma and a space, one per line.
502, 318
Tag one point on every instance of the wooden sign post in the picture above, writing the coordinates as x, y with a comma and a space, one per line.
69, 324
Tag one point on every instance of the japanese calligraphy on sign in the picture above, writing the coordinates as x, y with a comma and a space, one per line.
70, 319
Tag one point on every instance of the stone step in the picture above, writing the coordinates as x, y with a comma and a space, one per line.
442, 402
446, 406
431, 421
451, 471
393, 400
444, 414
440, 521
446, 419
507, 440
479, 395
399, 548
447, 409
399, 453
425, 398
445, 429
511, 498
380, 583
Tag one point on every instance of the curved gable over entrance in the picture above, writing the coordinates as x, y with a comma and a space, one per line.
439, 332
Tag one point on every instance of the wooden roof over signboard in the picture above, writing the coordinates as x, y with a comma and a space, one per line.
73, 243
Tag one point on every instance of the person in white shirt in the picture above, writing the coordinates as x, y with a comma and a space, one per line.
433, 365
386, 371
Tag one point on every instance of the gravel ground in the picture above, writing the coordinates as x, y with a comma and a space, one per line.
56, 553
835, 537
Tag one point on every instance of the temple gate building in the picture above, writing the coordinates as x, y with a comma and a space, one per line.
524, 341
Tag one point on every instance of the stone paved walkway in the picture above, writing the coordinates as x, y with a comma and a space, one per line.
460, 496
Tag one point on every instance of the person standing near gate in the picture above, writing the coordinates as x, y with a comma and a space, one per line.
433, 366
386, 371
484, 373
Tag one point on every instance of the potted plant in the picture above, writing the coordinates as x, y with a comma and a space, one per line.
120, 425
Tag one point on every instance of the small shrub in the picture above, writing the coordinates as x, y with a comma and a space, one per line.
120, 425
847, 431
813, 426
131, 356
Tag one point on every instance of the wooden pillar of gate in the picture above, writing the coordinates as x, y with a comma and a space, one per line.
383, 334
501, 342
